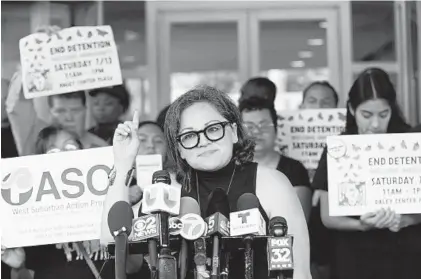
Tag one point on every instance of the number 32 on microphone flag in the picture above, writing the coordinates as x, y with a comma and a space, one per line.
54, 198
279, 251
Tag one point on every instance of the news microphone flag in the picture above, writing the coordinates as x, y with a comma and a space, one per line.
279, 251
145, 227
247, 222
218, 224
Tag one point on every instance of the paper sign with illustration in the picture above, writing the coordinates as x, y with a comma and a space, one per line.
54, 198
76, 58
369, 172
302, 133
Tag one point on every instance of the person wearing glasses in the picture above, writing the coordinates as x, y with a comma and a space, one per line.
259, 116
210, 147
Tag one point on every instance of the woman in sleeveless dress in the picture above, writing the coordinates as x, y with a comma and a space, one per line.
208, 144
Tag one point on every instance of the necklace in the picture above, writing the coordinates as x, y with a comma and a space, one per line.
227, 192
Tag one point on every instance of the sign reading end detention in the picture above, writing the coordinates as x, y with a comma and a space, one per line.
369, 172
76, 58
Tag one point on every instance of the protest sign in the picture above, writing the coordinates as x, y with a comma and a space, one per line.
54, 198
146, 165
369, 172
76, 58
302, 133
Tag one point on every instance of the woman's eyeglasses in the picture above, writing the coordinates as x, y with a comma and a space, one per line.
213, 132
258, 128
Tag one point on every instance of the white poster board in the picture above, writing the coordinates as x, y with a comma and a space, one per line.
76, 58
302, 133
54, 198
369, 172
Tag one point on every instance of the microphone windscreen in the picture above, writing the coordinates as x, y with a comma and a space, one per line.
218, 202
161, 176
189, 205
277, 221
119, 216
247, 201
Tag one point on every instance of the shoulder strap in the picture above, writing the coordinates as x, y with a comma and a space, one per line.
89, 261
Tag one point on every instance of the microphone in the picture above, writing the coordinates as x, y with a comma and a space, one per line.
247, 221
218, 224
163, 199
147, 227
120, 219
194, 228
279, 249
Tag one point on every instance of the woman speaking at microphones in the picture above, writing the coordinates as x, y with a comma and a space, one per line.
210, 149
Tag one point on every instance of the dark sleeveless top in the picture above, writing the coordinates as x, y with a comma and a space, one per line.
244, 181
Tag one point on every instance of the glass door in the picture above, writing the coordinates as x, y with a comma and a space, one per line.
294, 47
208, 47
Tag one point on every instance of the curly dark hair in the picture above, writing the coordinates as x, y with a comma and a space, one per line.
243, 150
374, 83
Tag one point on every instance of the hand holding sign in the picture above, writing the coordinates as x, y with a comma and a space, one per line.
126, 144
13, 257
383, 218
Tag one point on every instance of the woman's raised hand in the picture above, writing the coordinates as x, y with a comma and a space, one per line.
126, 144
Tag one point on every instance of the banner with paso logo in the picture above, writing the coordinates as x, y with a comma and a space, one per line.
54, 198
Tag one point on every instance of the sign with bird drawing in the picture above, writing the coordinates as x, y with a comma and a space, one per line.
302, 133
370, 172
72, 59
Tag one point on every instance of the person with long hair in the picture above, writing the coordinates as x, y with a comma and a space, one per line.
207, 141
380, 244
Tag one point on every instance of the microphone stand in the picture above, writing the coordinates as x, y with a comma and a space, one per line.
248, 258
121, 238
225, 259
215, 273
167, 266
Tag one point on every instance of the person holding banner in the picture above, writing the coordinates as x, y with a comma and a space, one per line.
64, 260
319, 95
67, 110
8, 146
379, 244
208, 143
11, 258
260, 119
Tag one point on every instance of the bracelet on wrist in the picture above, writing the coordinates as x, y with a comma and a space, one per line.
113, 174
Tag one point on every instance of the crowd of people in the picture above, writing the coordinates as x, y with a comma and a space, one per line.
206, 140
